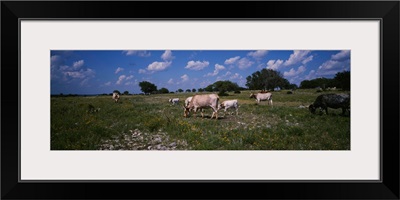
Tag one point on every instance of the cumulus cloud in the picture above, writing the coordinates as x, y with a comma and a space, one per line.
245, 63
224, 76
236, 76
142, 71
185, 78
231, 61
308, 59
108, 83
137, 52
170, 81
83, 73
78, 64
167, 55
331, 67
123, 78
54, 59
119, 69
218, 68
311, 75
342, 55
339, 62
120, 79
292, 72
158, 66
197, 65
274, 64
257, 54
296, 57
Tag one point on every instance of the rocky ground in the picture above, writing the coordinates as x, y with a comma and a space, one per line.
138, 140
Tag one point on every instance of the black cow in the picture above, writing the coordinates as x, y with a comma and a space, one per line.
325, 101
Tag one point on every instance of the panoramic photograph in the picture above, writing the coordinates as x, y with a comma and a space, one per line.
180, 100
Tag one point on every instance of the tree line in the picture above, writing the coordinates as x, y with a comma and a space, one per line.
265, 79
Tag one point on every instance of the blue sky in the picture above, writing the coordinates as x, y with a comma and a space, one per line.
102, 71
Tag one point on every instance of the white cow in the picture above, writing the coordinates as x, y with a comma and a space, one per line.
200, 102
187, 101
262, 97
174, 101
229, 104
115, 96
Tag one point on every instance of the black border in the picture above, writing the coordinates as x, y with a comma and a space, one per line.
387, 11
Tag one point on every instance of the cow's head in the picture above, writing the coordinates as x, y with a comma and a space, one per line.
221, 106
252, 95
312, 108
186, 111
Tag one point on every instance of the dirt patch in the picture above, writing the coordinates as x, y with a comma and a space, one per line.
138, 140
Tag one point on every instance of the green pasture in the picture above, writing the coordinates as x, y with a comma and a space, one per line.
143, 122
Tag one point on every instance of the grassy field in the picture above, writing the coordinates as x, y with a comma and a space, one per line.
150, 122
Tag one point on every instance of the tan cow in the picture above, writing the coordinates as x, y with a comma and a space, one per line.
115, 96
200, 102
262, 97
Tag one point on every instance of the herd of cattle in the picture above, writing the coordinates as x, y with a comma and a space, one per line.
203, 101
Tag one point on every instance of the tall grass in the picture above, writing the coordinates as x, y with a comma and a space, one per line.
283, 126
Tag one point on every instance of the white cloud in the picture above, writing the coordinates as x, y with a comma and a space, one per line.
216, 70
258, 54
231, 61
158, 66
142, 71
292, 72
120, 79
81, 74
236, 76
328, 65
274, 64
137, 52
296, 57
197, 65
311, 75
129, 77
119, 69
130, 83
342, 55
167, 55
185, 78
331, 67
308, 59
55, 58
124, 78
244, 63
108, 83
170, 81
228, 73
78, 64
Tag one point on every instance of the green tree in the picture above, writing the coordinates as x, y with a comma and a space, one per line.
180, 90
193, 90
266, 79
342, 80
147, 87
318, 82
117, 91
222, 86
126, 93
188, 90
164, 91
200, 90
